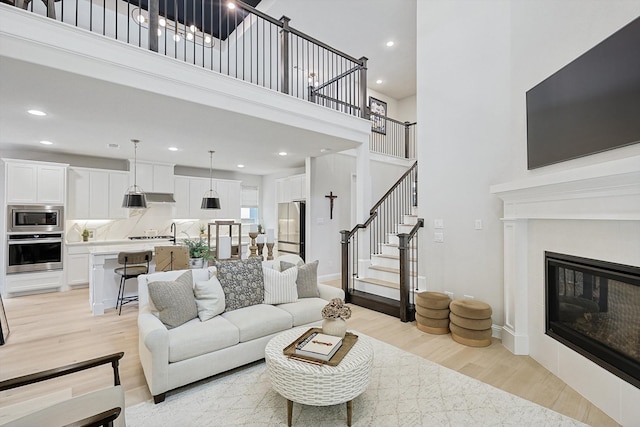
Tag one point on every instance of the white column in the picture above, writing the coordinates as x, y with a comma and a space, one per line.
96, 284
363, 183
515, 332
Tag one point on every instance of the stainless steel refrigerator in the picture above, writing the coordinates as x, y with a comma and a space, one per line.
291, 228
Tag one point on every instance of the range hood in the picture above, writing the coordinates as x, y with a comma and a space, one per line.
160, 198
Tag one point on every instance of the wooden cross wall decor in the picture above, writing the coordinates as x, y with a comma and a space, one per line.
331, 197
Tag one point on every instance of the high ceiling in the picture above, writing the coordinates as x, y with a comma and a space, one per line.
89, 114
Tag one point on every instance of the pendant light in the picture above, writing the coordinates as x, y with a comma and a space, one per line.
210, 200
134, 197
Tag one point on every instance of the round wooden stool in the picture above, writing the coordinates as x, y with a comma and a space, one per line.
470, 322
432, 312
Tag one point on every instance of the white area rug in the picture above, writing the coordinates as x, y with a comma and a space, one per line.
405, 390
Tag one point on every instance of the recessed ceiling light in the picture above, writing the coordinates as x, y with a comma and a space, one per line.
176, 37
113, 145
282, 153
37, 113
390, 43
173, 148
325, 150
46, 142
240, 166
162, 22
230, 5
379, 81
189, 36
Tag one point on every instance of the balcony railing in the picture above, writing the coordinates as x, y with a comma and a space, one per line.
231, 38
392, 137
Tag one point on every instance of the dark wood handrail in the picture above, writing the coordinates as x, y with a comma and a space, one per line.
396, 185
298, 33
336, 78
64, 370
414, 230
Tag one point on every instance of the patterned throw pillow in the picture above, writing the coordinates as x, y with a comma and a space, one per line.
209, 298
174, 300
242, 282
280, 288
307, 280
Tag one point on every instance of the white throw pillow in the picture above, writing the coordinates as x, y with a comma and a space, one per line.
280, 288
209, 298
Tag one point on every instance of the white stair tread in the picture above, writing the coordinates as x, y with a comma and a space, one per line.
388, 269
396, 257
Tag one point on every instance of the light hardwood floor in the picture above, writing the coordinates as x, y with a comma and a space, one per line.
54, 329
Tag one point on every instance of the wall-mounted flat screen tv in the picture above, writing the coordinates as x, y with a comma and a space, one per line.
589, 106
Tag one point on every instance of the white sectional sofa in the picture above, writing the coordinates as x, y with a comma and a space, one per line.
195, 350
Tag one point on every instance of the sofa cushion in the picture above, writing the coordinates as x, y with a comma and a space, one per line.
258, 321
305, 310
209, 298
174, 300
196, 338
242, 282
307, 280
280, 287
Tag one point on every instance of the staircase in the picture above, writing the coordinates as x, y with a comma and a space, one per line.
386, 278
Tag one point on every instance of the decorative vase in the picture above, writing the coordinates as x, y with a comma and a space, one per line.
336, 327
195, 263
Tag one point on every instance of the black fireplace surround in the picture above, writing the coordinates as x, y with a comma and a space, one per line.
593, 307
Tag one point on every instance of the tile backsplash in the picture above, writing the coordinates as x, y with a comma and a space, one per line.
156, 218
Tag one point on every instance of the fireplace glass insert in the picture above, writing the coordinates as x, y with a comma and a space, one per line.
593, 307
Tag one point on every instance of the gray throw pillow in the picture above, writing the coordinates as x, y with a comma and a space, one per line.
174, 300
242, 282
307, 281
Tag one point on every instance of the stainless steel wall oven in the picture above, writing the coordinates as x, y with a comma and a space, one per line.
35, 238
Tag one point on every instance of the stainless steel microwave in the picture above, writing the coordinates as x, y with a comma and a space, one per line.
35, 218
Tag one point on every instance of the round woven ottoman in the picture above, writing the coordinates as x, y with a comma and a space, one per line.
432, 312
470, 322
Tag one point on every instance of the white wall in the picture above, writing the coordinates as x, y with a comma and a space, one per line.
464, 146
546, 35
407, 109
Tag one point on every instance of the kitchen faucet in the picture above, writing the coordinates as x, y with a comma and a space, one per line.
173, 229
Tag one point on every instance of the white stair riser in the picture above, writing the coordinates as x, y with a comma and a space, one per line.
404, 228
409, 219
390, 250
383, 275
371, 288
393, 239
388, 262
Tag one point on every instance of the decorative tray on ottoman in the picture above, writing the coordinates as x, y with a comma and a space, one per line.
348, 342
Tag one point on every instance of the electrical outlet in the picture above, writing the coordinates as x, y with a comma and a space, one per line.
478, 224
449, 294
438, 237
469, 297
438, 224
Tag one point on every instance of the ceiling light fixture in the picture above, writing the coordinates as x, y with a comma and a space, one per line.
210, 200
230, 5
379, 81
37, 113
240, 166
390, 43
46, 142
173, 148
282, 153
134, 197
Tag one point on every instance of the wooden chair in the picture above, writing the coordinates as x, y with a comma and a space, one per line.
103, 407
133, 265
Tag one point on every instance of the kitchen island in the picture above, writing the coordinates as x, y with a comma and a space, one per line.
103, 281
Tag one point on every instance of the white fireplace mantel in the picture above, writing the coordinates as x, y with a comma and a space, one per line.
609, 190
604, 191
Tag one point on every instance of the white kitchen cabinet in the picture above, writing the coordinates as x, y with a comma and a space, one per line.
23, 283
153, 177
96, 194
181, 196
190, 190
291, 189
77, 269
35, 182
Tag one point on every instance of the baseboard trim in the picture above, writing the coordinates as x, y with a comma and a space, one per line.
496, 331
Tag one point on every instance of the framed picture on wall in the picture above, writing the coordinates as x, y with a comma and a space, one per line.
378, 110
